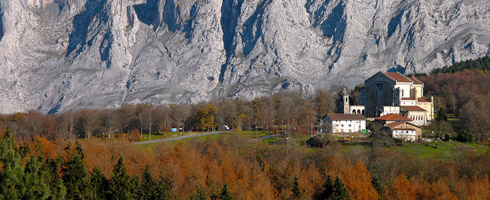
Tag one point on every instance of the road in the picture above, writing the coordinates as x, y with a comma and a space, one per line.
177, 138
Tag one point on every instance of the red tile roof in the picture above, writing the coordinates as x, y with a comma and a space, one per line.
405, 129
422, 100
398, 77
339, 116
412, 108
415, 81
394, 124
408, 98
393, 117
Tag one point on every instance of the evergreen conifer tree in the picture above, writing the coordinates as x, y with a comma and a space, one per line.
225, 194
328, 189
35, 181
75, 175
98, 185
200, 195
161, 191
297, 193
53, 179
339, 192
147, 185
120, 184
12, 173
377, 186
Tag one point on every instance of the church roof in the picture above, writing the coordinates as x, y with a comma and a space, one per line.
393, 117
339, 116
422, 100
412, 108
415, 81
408, 98
394, 124
398, 77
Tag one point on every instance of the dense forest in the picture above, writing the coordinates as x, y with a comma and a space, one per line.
87, 154
231, 168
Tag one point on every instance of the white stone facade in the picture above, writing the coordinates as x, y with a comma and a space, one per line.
405, 134
348, 126
390, 110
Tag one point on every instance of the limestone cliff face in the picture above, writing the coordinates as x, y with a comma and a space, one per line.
57, 55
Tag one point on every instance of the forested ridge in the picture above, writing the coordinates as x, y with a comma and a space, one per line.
482, 64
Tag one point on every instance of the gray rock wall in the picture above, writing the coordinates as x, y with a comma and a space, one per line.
57, 55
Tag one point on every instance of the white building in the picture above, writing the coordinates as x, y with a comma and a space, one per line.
345, 123
405, 134
417, 114
385, 90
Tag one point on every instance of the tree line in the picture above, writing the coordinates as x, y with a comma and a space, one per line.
286, 109
480, 64
466, 95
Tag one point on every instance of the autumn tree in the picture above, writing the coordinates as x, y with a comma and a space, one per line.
401, 188
476, 118
205, 117
321, 103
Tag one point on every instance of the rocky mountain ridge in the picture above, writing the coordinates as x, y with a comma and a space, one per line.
57, 55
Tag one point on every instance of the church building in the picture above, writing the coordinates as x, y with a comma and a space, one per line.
391, 93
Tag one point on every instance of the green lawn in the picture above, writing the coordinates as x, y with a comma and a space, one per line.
437, 150
440, 150
254, 134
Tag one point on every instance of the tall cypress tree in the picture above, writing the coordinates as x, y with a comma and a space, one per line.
98, 185
225, 194
161, 191
120, 184
35, 181
13, 172
328, 189
53, 179
200, 195
377, 186
75, 175
297, 193
339, 192
147, 185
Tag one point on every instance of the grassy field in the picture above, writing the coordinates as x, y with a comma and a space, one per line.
440, 150
437, 150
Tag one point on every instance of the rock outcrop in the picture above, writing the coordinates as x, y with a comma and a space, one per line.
57, 55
